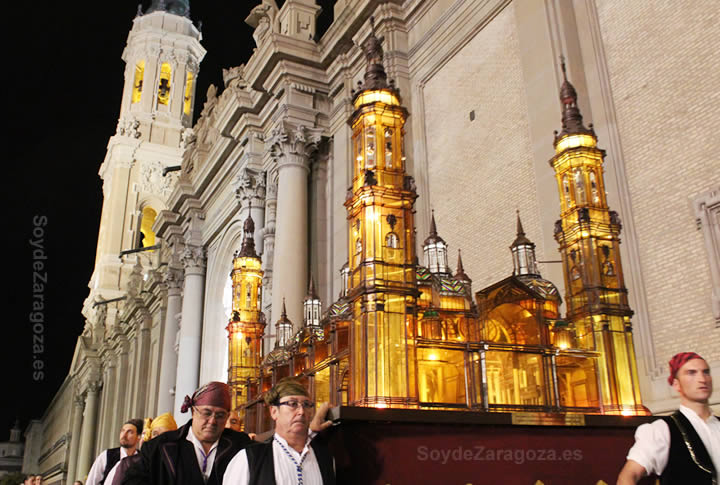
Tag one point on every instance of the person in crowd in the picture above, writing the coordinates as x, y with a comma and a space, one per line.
198, 452
107, 460
234, 421
684, 447
153, 428
290, 456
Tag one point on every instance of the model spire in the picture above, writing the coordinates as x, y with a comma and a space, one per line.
572, 120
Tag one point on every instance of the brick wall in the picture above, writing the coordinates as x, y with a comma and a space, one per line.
481, 171
664, 65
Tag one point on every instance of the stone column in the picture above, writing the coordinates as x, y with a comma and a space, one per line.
77, 420
106, 432
173, 280
88, 433
188, 367
291, 149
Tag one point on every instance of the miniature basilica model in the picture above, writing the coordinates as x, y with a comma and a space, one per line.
408, 335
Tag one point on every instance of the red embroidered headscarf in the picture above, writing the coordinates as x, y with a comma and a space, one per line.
678, 361
211, 394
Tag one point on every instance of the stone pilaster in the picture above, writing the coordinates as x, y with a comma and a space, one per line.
89, 431
77, 421
173, 281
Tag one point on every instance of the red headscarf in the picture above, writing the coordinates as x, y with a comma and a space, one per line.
211, 394
678, 361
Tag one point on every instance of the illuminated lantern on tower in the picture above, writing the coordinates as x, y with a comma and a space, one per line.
589, 237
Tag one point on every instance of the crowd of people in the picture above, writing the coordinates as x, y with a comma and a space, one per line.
211, 448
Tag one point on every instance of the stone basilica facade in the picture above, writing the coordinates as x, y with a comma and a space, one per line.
480, 81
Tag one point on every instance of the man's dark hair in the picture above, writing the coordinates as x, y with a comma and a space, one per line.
138, 423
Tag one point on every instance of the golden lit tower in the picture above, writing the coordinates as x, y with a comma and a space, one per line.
247, 324
382, 285
589, 238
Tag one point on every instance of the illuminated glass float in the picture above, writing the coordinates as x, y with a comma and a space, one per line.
411, 336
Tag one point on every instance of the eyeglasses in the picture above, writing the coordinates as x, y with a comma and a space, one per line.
292, 404
206, 414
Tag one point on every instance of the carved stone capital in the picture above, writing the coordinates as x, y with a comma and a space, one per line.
193, 257
173, 279
293, 146
251, 188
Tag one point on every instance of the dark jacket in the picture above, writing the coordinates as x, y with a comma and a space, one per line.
688, 459
170, 459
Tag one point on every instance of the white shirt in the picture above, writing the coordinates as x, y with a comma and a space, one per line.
238, 473
652, 441
208, 459
98, 468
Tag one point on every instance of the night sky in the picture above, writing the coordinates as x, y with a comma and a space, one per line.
64, 82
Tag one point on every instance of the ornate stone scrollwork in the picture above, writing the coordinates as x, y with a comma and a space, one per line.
154, 182
234, 77
263, 18
128, 127
187, 138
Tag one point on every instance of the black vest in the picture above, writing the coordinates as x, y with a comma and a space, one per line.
262, 467
113, 456
688, 459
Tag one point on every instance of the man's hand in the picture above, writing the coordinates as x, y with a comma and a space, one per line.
631, 473
319, 422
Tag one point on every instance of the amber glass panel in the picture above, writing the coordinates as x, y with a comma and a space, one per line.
513, 324
577, 381
322, 386
515, 378
441, 376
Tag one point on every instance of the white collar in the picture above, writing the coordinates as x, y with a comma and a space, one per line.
124, 453
693, 416
193, 439
284, 442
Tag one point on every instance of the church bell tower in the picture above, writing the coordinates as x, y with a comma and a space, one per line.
382, 282
589, 237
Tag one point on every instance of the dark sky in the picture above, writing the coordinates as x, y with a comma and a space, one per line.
64, 83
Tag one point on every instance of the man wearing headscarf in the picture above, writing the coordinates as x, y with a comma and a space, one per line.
684, 447
105, 463
198, 452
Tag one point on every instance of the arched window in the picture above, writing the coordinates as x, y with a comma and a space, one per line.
579, 180
187, 100
138, 81
370, 147
594, 189
147, 236
164, 84
388, 148
392, 240
566, 191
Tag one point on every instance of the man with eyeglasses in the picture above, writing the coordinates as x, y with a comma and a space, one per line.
198, 452
290, 456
